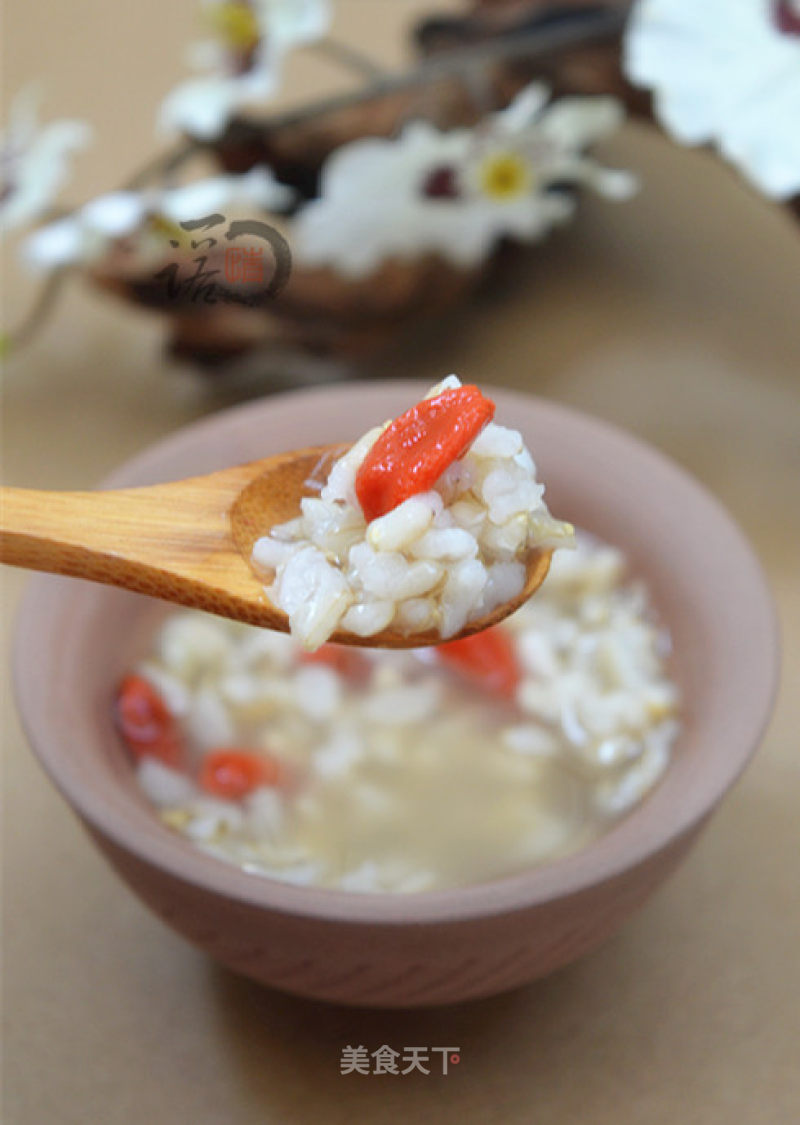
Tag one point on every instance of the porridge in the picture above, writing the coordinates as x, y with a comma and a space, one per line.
424, 524
373, 770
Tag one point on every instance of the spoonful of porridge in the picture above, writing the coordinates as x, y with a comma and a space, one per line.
430, 527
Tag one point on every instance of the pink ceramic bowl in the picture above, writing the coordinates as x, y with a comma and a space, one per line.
75, 639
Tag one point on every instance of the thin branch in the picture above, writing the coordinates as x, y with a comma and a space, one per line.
466, 63
38, 314
349, 57
454, 63
597, 25
164, 164
45, 302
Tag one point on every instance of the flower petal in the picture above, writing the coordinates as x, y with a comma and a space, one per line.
202, 107
38, 163
291, 23
577, 122
258, 186
57, 244
723, 73
115, 214
523, 110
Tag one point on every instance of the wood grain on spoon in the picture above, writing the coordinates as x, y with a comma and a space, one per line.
190, 541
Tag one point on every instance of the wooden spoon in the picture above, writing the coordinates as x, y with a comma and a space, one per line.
190, 541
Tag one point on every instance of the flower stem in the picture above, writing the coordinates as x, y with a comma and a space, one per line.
42, 307
163, 165
349, 57
467, 63
598, 26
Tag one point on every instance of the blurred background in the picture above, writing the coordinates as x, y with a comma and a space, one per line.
675, 315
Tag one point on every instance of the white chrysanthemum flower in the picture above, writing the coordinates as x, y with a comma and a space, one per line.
84, 236
726, 74
456, 193
552, 140
373, 205
34, 161
242, 61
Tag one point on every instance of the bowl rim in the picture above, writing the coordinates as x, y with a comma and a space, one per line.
622, 848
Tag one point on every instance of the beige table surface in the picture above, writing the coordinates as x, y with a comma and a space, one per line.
677, 316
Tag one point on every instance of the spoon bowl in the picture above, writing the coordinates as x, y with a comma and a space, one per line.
190, 541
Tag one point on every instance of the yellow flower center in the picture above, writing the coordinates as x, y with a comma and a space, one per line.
236, 24
166, 229
505, 175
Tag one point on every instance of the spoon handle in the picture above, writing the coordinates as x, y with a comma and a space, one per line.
168, 540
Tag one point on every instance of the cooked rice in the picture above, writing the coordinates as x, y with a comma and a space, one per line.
435, 562
412, 780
